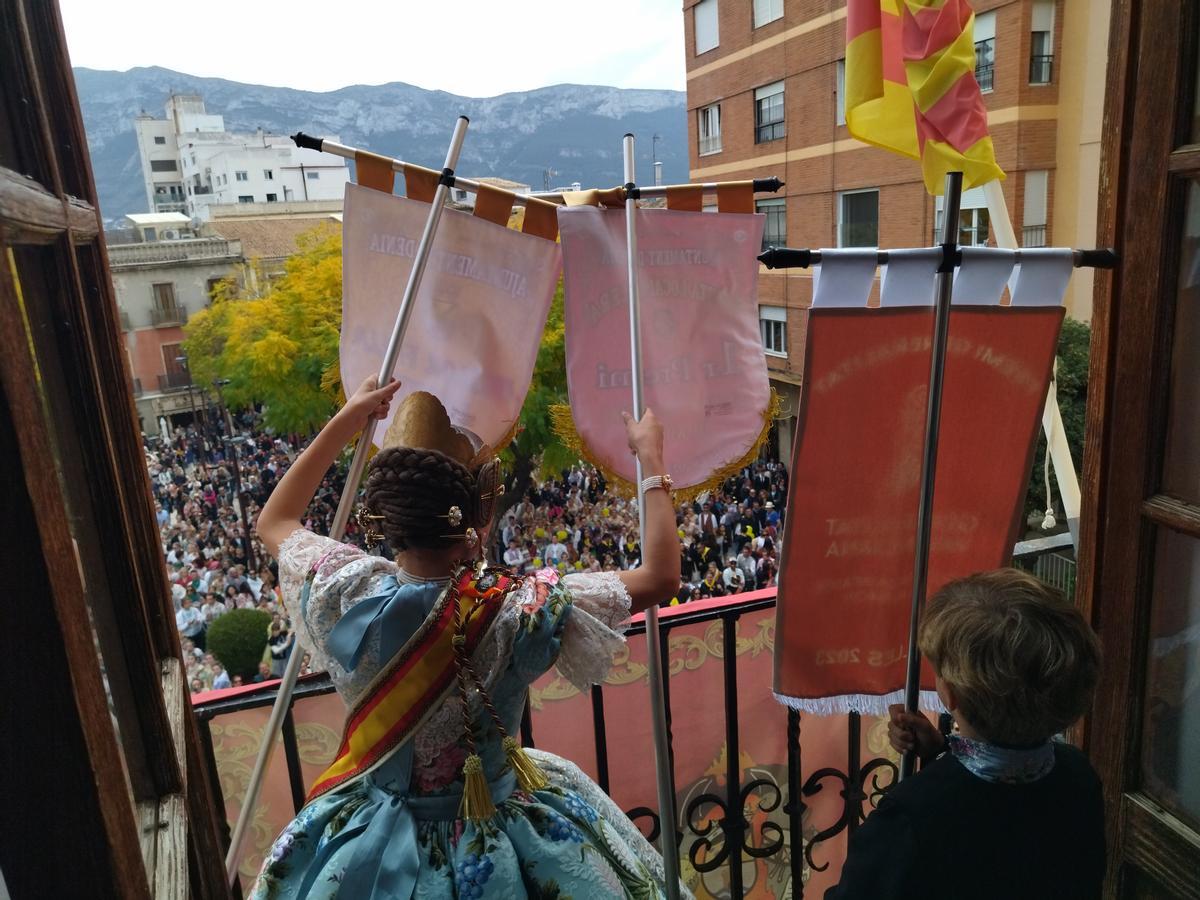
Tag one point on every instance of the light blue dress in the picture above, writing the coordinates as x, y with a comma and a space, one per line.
395, 833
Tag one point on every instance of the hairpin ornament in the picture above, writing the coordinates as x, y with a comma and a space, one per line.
365, 520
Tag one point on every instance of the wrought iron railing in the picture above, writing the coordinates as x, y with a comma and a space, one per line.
174, 381
729, 841
1033, 236
1041, 69
163, 316
985, 75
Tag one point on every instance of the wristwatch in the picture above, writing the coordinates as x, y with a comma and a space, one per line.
657, 481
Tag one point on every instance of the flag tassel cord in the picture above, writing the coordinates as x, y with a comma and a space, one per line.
308, 142
283, 699
789, 258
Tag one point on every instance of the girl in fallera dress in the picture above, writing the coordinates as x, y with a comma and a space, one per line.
430, 794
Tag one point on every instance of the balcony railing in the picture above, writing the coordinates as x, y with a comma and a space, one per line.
169, 206
985, 75
159, 252
1041, 69
1033, 236
174, 381
710, 144
164, 316
712, 827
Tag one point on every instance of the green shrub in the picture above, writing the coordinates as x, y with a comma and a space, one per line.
238, 639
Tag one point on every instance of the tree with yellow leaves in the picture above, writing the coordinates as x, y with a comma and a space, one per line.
278, 348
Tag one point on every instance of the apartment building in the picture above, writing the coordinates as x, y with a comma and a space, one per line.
159, 281
190, 162
765, 88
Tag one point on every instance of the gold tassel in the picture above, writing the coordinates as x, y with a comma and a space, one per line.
477, 802
530, 777
563, 424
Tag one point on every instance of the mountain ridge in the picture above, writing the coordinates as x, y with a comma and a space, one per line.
573, 129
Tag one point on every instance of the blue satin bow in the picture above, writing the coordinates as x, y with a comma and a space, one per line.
399, 611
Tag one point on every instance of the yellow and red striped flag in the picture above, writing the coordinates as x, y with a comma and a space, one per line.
911, 89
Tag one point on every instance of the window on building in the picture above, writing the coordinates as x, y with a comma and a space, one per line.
840, 114
1033, 219
272, 198
1041, 45
173, 363
858, 218
985, 50
242, 176
312, 176
775, 228
974, 224
766, 11
163, 165
164, 295
269, 174
768, 113
772, 325
710, 129
704, 22
159, 139
245, 198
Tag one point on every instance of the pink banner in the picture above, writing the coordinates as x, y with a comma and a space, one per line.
473, 335
849, 546
704, 371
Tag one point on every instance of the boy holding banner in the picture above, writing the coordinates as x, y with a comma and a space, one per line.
1003, 811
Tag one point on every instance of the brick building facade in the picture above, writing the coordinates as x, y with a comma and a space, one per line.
764, 85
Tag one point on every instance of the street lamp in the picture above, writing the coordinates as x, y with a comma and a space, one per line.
231, 451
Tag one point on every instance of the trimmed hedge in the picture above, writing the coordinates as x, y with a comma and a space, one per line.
238, 638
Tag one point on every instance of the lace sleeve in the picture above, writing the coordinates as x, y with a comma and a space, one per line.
338, 573
592, 632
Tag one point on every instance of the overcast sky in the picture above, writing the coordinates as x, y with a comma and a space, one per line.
486, 47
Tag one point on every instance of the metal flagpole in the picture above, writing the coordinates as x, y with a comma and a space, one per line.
283, 699
658, 710
933, 415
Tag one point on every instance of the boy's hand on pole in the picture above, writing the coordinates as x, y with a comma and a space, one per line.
913, 732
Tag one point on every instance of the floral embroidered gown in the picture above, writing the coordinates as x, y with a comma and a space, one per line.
395, 833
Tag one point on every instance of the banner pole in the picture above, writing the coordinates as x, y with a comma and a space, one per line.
283, 700
933, 415
658, 711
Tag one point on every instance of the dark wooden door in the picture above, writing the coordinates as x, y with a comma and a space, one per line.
1140, 554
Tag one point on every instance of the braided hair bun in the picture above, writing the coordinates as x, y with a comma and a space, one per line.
413, 489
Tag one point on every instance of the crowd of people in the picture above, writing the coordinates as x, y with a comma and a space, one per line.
205, 499
728, 537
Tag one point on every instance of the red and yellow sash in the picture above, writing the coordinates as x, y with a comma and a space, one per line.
417, 680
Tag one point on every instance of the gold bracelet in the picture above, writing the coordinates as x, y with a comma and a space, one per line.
657, 481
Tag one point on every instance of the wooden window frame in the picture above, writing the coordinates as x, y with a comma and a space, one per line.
1145, 169
153, 831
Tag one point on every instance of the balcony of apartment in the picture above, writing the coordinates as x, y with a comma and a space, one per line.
765, 795
168, 315
1033, 236
172, 205
174, 381
1041, 69
187, 250
986, 76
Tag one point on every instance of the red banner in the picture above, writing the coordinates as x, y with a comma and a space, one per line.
848, 556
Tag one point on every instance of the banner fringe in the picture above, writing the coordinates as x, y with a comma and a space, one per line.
866, 704
563, 424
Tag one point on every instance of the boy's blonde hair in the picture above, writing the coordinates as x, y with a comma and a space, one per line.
1021, 660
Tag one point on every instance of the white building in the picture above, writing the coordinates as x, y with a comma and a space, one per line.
189, 161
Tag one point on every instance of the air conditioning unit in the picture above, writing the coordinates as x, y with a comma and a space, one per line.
170, 234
